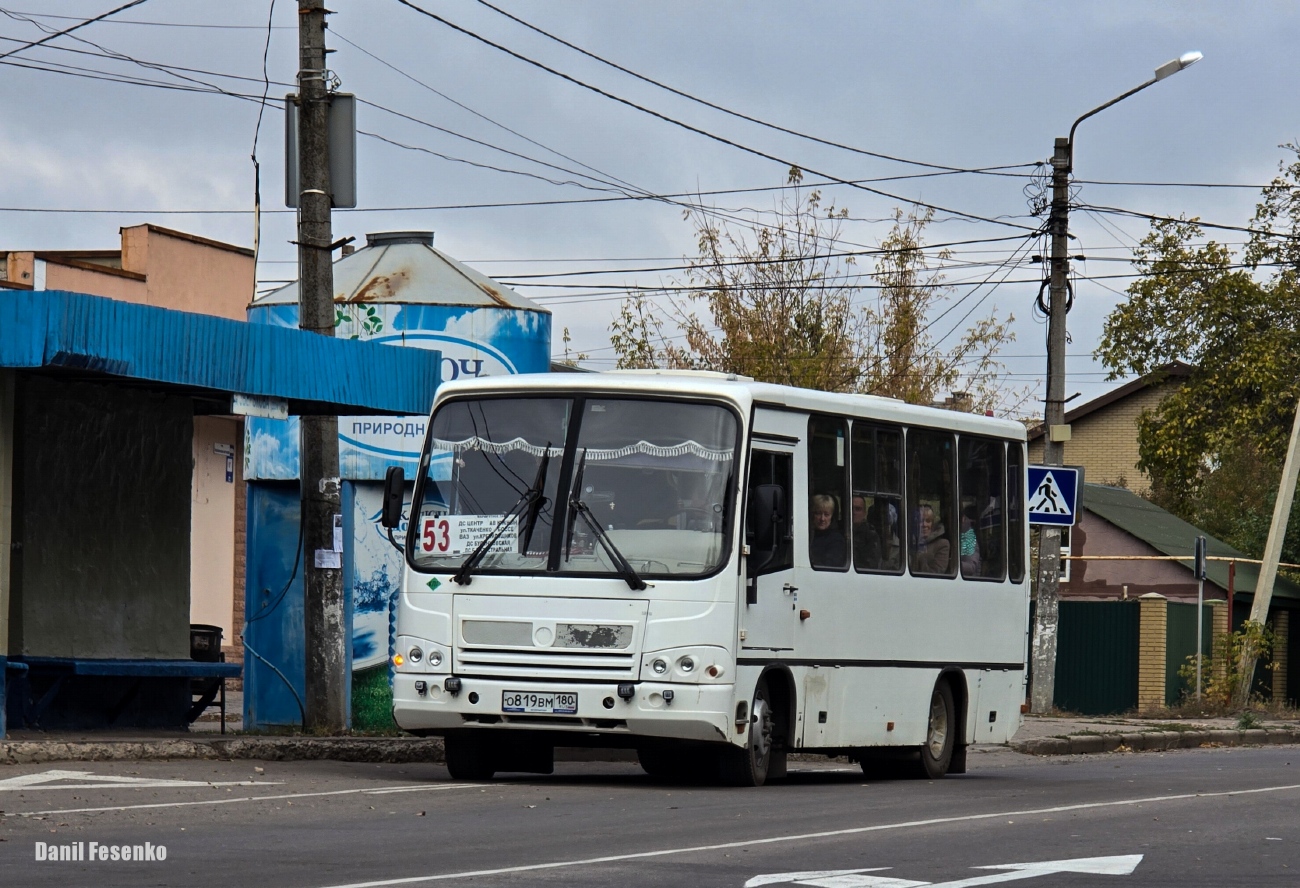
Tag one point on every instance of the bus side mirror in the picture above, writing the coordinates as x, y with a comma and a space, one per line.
394, 490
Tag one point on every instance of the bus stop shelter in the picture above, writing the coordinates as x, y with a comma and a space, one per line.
97, 400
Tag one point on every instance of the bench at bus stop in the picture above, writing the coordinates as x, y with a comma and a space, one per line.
207, 683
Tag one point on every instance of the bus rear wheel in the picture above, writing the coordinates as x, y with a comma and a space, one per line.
469, 757
940, 734
749, 766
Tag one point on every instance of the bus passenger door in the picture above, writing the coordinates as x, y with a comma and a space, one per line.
770, 609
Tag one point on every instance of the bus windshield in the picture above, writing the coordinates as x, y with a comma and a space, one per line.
587, 485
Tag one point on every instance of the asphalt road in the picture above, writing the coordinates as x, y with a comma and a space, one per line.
1204, 817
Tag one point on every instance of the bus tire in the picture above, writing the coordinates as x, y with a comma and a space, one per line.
748, 766
659, 762
469, 757
940, 734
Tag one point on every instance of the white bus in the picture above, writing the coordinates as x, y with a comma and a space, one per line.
712, 571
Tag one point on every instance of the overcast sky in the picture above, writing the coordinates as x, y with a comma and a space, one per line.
965, 85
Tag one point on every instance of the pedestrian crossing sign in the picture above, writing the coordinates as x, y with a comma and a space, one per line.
1053, 495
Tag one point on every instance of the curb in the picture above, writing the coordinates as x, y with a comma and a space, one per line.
1084, 744
282, 749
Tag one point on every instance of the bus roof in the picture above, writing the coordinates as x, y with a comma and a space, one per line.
740, 390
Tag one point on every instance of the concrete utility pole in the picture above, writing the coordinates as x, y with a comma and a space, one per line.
326, 693
1272, 555
1047, 606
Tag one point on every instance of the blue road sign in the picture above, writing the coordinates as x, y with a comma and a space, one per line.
1053, 495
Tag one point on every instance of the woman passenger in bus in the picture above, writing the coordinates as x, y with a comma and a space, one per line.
933, 551
826, 547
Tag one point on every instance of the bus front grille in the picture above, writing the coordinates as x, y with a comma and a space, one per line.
546, 663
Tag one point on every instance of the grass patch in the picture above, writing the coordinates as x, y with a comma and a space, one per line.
372, 702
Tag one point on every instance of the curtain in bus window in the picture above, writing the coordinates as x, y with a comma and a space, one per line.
828, 475
931, 503
493, 467
658, 477
876, 501
982, 535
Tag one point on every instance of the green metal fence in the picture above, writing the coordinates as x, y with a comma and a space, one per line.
1097, 657
1180, 643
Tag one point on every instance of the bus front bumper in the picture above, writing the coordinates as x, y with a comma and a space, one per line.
656, 709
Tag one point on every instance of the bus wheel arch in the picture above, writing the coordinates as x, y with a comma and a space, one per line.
766, 737
781, 694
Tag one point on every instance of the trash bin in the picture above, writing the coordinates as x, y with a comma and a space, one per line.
205, 643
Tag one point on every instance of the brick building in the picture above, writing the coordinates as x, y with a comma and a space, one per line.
1103, 432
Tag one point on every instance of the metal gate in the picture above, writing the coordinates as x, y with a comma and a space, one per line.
1097, 657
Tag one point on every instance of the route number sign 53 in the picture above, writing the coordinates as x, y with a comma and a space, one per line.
451, 535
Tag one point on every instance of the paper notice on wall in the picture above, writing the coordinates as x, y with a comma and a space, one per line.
326, 558
338, 533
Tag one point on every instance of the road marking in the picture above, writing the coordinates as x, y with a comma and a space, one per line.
48, 780
803, 837
238, 799
412, 789
1097, 866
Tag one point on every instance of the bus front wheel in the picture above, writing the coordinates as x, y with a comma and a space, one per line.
749, 766
940, 734
469, 757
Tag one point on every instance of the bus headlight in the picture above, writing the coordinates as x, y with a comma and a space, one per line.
417, 654
698, 664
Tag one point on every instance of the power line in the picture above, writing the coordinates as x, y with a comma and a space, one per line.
81, 24
50, 15
765, 261
117, 56
686, 126
123, 57
477, 114
1118, 211
737, 114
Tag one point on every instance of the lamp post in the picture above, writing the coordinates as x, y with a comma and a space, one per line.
1054, 428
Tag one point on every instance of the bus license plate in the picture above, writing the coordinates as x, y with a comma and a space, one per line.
549, 702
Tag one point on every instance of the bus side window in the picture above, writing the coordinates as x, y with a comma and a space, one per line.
877, 502
931, 503
981, 542
828, 476
773, 470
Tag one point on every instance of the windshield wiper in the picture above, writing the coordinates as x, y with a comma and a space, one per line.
578, 507
532, 500
537, 503
624, 568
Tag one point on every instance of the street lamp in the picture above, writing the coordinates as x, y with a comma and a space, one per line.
1056, 433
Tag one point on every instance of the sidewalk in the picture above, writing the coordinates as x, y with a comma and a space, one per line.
1075, 735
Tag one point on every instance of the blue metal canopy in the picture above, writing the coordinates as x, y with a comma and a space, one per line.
212, 358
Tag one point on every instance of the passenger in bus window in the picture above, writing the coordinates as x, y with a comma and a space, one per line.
968, 545
933, 550
884, 515
826, 547
866, 539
